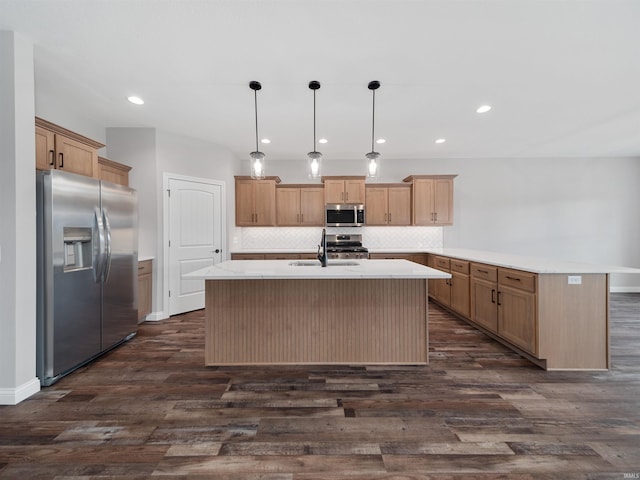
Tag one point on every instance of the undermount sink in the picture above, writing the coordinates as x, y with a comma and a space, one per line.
317, 264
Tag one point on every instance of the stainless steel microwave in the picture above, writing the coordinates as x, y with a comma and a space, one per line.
344, 215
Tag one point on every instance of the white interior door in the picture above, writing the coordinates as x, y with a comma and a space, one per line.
195, 239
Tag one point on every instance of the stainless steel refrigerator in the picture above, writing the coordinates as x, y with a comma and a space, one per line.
87, 270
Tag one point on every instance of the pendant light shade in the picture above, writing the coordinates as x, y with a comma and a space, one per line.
256, 158
373, 157
315, 157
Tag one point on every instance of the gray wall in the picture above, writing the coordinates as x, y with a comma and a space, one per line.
151, 154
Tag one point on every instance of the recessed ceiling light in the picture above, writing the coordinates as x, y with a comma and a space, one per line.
483, 109
135, 100
381, 140
441, 140
265, 140
323, 140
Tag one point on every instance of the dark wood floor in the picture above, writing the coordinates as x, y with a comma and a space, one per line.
478, 411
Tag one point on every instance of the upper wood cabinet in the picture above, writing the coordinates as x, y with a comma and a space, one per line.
299, 205
432, 199
256, 201
61, 149
114, 172
388, 204
344, 189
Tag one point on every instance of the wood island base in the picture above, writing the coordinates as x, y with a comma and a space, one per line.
316, 321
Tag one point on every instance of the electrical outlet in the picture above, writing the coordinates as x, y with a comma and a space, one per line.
574, 279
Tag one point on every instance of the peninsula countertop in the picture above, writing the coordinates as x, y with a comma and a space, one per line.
311, 269
530, 263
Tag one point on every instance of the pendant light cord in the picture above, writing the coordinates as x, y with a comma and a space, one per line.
373, 119
314, 120
255, 99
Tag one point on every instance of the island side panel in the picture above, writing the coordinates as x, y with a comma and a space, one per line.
316, 321
574, 322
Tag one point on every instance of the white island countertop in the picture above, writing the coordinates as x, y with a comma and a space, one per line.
530, 263
311, 269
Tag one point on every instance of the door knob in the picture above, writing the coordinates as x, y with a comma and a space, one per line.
217, 250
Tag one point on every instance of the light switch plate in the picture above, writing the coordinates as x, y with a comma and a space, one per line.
574, 279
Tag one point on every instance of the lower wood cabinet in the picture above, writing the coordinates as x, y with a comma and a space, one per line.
459, 285
145, 288
554, 323
484, 292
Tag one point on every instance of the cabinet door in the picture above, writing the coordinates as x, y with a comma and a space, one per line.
354, 191
377, 211
423, 202
45, 149
312, 206
460, 293
484, 309
76, 157
399, 206
245, 215
265, 202
443, 201
517, 318
288, 206
334, 191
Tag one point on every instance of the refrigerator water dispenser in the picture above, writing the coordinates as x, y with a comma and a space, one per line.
77, 248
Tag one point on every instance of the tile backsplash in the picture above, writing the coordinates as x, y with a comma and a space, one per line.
299, 238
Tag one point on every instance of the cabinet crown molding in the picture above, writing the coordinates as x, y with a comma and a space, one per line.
52, 127
411, 178
344, 177
247, 177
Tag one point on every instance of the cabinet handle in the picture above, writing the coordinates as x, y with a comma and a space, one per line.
435, 216
499, 298
61, 157
493, 295
53, 158
346, 194
513, 278
389, 218
302, 218
483, 271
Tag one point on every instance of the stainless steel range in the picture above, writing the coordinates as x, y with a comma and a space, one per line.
346, 246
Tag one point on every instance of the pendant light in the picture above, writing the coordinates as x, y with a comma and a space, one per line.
314, 156
256, 160
373, 157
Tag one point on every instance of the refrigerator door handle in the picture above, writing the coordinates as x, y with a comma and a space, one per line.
99, 253
107, 256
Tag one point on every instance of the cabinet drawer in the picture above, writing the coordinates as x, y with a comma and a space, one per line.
517, 279
442, 263
486, 272
144, 267
460, 266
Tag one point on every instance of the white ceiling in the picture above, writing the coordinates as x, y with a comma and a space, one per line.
563, 76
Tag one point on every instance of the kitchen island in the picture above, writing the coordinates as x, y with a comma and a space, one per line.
265, 312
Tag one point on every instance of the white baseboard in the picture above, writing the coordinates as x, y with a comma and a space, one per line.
13, 396
624, 289
155, 316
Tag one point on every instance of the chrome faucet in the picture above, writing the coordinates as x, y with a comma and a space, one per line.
322, 249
